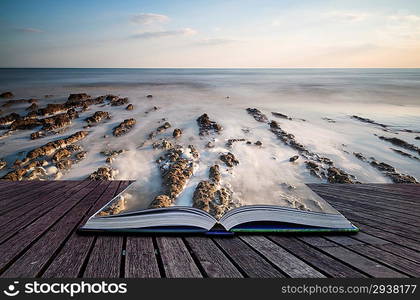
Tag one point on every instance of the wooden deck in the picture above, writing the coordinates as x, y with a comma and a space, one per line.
38, 238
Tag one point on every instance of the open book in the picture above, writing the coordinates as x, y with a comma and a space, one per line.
261, 216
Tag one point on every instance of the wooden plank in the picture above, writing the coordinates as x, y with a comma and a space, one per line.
176, 259
325, 263
9, 187
140, 261
18, 223
21, 240
70, 260
32, 262
105, 259
212, 259
356, 260
282, 259
401, 251
251, 263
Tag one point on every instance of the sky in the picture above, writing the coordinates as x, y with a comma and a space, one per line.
210, 34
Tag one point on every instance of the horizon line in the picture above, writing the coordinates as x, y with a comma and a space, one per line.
238, 68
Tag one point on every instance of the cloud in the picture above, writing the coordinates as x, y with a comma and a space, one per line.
29, 30
348, 16
164, 33
149, 18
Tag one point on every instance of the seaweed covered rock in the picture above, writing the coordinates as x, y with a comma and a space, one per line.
206, 126
98, 116
124, 127
229, 159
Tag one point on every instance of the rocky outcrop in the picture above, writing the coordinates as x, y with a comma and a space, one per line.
161, 201
402, 153
98, 117
124, 127
257, 115
294, 158
75, 98
369, 121
114, 208
25, 124
130, 107
53, 123
177, 133
398, 142
32, 107
112, 154
19, 101
119, 101
162, 144
229, 159
102, 173
230, 142
20, 172
280, 115
6, 95
160, 130
51, 147
214, 174
9, 119
206, 126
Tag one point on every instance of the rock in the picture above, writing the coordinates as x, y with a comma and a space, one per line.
98, 116
10, 118
280, 115
204, 194
210, 145
214, 174
402, 153
32, 107
119, 101
154, 108
25, 124
114, 208
103, 173
159, 130
328, 120
124, 127
229, 159
231, 141
3, 164
398, 142
359, 156
19, 101
193, 151
162, 144
417, 138
294, 158
177, 133
78, 97
149, 96
20, 172
366, 120
161, 201
6, 95
81, 155
336, 175
130, 107
206, 126
64, 164
257, 114
61, 154
258, 143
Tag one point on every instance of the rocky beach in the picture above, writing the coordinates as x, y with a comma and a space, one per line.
211, 139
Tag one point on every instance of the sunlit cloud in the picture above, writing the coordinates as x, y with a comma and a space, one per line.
149, 18
164, 33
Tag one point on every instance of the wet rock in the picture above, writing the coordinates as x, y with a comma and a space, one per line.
111, 155
313, 167
20, 172
32, 107
61, 154
81, 155
329, 120
162, 144
161, 201
177, 133
206, 126
193, 151
294, 158
231, 141
359, 156
124, 127
402, 153
3, 164
6, 95
78, 97
25, 124
229, 159
19, 101
149, 96
64, 164
204, 194
280, 115
398, 142
114, 208
214, 174
160, 130
369, 121
258, 143
98, 116
102, 173
210, 145
9, 119
119, 101
336, 175
417, 138
257, 114
52, 108
51, 147
130, 107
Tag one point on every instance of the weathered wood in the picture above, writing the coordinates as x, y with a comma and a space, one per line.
284, 260
31, 263
326, 264
176, 259
141, 261
212, 259
251, 263
70, 259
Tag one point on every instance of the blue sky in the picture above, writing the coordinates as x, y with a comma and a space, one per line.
247, 33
